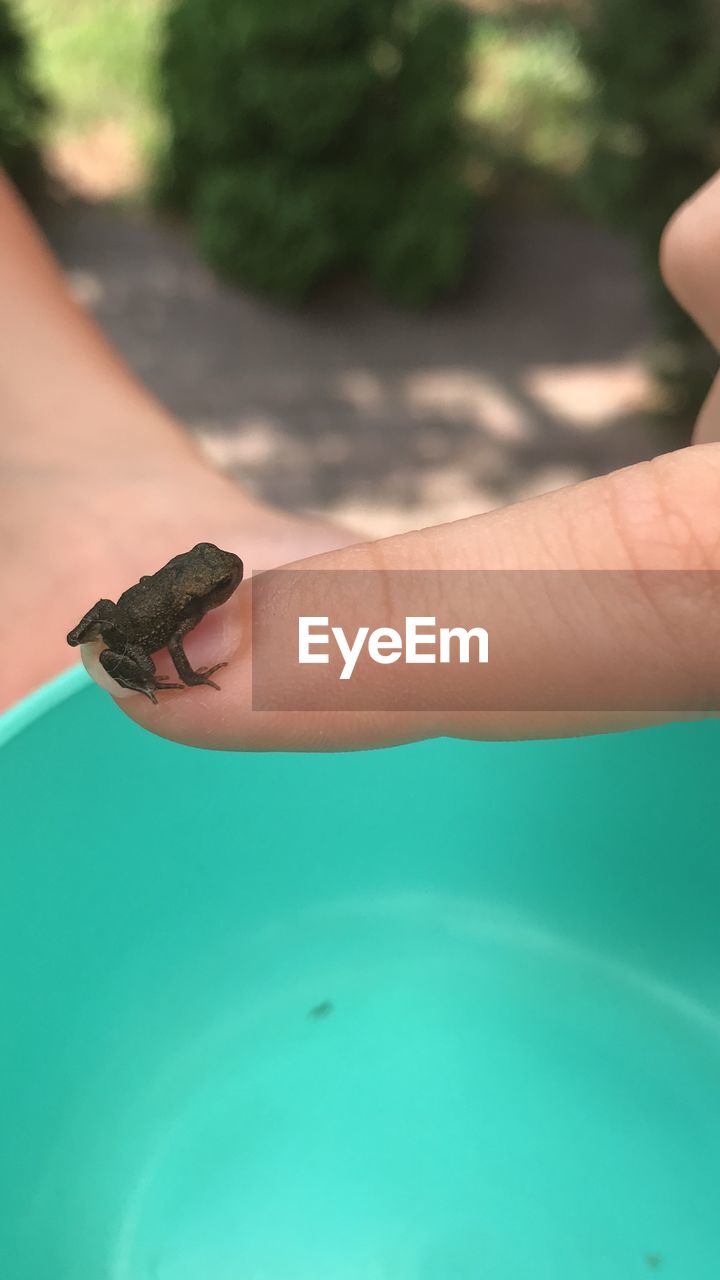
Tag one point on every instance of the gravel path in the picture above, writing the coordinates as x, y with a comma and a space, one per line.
530, 379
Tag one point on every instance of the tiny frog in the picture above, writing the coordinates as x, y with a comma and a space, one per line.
157, 612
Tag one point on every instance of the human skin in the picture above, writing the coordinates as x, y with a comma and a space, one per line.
87, 445
98, 484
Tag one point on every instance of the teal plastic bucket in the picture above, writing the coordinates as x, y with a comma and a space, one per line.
444, 1012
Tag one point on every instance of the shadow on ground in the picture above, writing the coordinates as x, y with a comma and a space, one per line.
532, 378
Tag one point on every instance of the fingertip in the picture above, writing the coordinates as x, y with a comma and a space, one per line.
690, 256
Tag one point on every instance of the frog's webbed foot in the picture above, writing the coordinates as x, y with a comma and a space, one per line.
134, 670
202, 675
185, 671
90, 627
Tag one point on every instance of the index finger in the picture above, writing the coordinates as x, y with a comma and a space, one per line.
662, 515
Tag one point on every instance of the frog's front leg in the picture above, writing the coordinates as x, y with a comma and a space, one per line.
102, 617
182, 665
134, 669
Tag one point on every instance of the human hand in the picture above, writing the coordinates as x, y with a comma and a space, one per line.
97, 483
662, 515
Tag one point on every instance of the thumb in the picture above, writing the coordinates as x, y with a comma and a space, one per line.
632, 644
690, 264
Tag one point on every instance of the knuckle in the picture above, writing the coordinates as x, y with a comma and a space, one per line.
667, 517
666, 512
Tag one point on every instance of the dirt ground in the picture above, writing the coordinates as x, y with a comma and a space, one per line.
530, 379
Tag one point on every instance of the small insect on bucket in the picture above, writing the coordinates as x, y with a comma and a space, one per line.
444, 1012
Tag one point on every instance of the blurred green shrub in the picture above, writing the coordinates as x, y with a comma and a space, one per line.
305, 136
529, 97
22, 107
656, 139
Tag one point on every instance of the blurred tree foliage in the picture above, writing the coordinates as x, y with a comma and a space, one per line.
311, 135
22, 107
656, 65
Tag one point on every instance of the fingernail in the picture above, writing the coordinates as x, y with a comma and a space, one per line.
90, 654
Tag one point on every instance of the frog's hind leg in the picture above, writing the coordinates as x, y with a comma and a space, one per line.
134, 669
182, 665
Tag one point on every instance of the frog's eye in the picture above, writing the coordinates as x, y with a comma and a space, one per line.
226, 581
